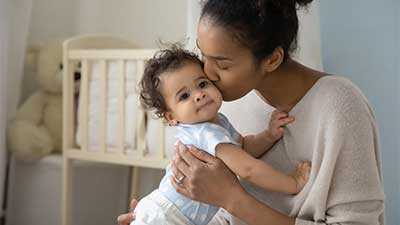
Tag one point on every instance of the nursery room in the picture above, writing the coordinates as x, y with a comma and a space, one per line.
103, 104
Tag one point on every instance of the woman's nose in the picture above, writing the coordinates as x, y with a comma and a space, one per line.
209, 70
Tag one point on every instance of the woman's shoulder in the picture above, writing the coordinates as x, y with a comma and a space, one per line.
333, 83
338, 88
341, 95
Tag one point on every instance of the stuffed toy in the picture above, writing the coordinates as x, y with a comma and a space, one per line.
36, 130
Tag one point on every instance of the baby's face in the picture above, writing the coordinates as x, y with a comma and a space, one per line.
189, 95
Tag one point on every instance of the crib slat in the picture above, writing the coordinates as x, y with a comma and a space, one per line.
68, 136
122, 107
69, 109
84, 104
104, 96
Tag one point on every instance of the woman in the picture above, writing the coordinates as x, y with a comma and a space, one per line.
246, 45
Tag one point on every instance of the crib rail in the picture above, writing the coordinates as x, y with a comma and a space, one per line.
119, 155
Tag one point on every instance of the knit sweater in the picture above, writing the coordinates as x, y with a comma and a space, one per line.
335, 130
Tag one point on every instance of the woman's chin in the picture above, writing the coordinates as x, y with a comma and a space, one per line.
230, 98
233, 96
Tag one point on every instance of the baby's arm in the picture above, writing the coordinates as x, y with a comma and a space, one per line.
260, 173
260, 143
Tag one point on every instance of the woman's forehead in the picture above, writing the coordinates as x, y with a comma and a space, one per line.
215, 41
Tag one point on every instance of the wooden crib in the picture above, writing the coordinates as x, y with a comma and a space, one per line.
108, 54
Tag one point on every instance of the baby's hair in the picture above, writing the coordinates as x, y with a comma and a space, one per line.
165, 60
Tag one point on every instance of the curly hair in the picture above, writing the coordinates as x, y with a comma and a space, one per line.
165, 60
260, 25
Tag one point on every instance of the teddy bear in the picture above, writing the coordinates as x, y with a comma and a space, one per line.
36, 130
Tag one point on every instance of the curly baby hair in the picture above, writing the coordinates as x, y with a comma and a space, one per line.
260, 25
165, 60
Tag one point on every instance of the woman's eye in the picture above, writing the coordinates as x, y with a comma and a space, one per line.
221, 66
184, 96
203, 84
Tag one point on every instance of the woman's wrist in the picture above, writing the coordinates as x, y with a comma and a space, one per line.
236, 200
245, 207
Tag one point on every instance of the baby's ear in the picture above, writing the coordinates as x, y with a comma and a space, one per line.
170, 119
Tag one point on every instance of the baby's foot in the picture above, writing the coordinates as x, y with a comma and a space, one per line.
301, 175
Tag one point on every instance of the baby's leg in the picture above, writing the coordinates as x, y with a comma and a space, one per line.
148, 212
155, 209
289, 184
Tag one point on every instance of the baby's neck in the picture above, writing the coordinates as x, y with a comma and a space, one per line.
215, 119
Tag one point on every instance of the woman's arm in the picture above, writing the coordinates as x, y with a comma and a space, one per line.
252, 211
207, 176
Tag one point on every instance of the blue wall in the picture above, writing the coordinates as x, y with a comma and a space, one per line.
361, 40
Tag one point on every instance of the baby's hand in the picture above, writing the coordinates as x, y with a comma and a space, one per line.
278, 121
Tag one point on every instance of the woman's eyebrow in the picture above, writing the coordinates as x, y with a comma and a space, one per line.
218, 58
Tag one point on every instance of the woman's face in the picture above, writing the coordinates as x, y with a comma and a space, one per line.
227, 63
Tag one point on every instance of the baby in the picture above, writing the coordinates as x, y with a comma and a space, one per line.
175, 85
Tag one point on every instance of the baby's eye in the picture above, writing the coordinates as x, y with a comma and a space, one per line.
184, 96
203, 84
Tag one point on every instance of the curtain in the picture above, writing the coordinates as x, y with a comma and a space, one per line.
3, 100
14, 23
309, 37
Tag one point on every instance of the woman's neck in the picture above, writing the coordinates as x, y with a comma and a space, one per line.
287, 85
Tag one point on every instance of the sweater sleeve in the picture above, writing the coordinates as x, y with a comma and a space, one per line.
350, 164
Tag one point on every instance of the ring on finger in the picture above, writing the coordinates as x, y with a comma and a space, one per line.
180, 179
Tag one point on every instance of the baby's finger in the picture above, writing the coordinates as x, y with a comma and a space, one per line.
285, 121
279, 115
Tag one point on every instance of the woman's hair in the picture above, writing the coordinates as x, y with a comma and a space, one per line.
165, 60
260, 25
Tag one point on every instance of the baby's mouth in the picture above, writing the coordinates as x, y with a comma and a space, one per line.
204, 105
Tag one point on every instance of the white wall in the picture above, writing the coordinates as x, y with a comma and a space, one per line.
193, 15
143, 21
309, 37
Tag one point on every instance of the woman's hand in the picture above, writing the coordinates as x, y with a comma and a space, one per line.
206, 178
126, 219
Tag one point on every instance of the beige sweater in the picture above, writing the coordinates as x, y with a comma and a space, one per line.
335, 129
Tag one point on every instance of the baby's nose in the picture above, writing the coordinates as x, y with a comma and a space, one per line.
200, 96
